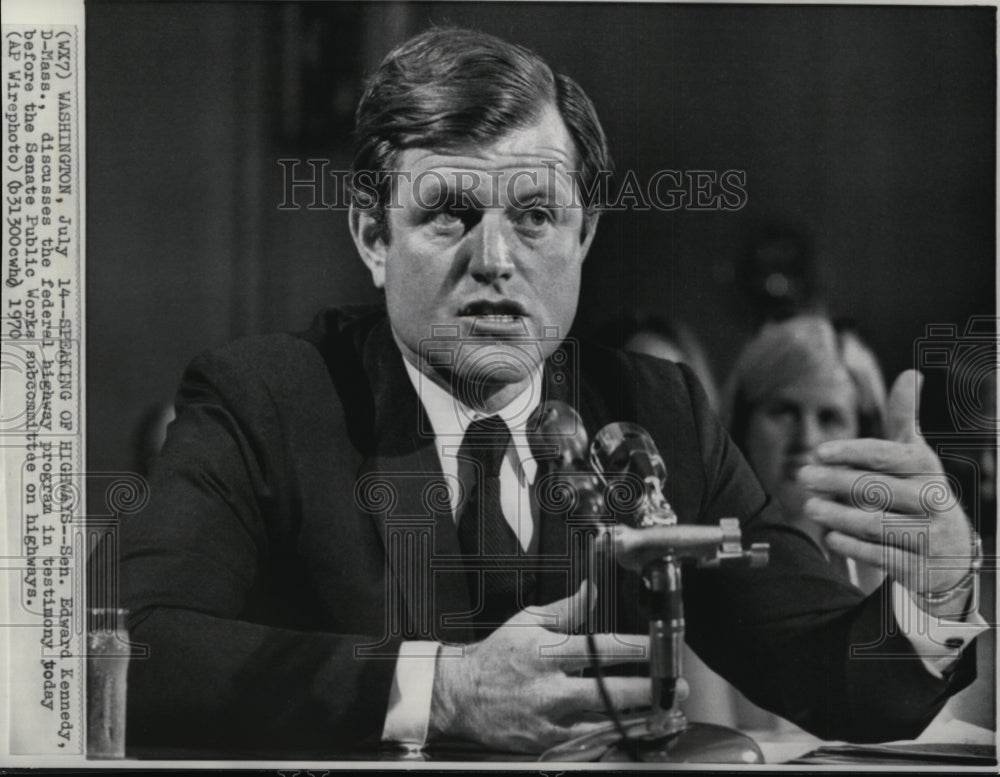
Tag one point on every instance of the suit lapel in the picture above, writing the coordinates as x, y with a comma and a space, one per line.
402, 488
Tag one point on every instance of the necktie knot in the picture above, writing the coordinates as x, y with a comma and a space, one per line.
486, 441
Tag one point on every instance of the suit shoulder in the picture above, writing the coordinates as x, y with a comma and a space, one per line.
259, 357
332, 343
639, 372
658, 370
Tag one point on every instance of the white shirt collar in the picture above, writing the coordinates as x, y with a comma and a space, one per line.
450, 417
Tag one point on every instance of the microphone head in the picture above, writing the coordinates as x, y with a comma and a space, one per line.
627, 447
556, 433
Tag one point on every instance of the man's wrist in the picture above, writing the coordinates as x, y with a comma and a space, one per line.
938, 640
443, 711
953, 601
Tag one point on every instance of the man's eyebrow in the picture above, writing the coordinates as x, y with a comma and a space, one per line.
540, 158
436, 190
544, 188
519, 185
535, 194
533, 161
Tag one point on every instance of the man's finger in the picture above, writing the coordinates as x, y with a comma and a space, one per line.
564, 616
874, 553
623, 692
903, 407
844, 518
573, 653
902, 563
872, 491
582, 728
877, 455
880, 493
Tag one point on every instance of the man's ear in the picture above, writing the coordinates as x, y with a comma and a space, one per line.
368, 237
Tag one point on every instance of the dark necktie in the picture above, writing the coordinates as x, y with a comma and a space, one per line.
488, 543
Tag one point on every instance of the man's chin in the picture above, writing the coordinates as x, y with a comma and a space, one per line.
496, 362
490, 376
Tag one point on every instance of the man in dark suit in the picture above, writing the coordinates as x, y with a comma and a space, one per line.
302, 571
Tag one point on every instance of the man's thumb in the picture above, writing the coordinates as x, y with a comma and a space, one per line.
902, 418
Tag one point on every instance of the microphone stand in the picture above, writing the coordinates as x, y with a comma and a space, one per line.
664, 735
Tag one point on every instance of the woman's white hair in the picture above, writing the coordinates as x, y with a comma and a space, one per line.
784, 351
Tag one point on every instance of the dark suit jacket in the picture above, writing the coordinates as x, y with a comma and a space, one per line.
268, 572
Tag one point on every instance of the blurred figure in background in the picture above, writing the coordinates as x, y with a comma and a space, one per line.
796, 384
778, 274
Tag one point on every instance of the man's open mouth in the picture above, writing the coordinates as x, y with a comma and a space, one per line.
500, 310
498, 319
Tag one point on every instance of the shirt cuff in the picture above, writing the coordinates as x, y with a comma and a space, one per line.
938, 642
409, 710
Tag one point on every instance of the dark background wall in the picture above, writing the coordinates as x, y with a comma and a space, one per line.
870, 131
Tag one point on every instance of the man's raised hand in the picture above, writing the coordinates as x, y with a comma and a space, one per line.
871, 494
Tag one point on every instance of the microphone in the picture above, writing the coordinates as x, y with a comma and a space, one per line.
628, 448
557, 437
559, 443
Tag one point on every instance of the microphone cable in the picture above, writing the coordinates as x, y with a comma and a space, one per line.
627, 743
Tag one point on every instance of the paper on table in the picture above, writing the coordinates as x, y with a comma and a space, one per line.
939, 740
946, 740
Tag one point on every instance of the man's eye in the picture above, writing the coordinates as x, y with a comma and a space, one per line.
535, 218
452, 217
445, 218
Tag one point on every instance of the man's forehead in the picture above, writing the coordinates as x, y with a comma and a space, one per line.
545, 143
486, 181
417, 159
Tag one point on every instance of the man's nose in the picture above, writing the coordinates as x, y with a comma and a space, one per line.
492, 249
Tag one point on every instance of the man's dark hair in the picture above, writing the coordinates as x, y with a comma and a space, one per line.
449, 88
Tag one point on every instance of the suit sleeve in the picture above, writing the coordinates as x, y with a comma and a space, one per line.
193, 561
793, 636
